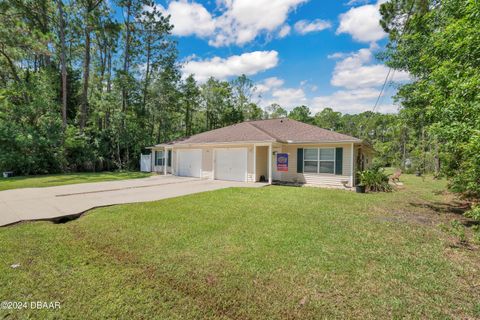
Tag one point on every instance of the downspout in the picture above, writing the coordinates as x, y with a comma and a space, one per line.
270, 164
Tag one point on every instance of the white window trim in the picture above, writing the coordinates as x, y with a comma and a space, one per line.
318, 161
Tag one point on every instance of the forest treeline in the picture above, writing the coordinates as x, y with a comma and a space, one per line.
88, 84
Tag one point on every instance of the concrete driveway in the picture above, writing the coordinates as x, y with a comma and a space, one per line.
72, 200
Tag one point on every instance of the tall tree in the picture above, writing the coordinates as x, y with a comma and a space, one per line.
275, 111
301, 113
328, 119
89, 7
217, 102
243, 89
158, 51
443, 98
190, 101
63, 63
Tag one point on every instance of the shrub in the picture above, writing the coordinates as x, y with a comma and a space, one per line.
476, 234
458, 230
474, 213
375, 179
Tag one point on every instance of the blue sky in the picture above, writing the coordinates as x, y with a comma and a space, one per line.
317, 53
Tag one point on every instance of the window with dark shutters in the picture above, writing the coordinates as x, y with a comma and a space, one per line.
300, 160
339, 161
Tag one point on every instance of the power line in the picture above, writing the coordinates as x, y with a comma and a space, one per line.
390, 68
382, 89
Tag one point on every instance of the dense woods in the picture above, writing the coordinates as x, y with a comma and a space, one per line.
438, 43
87, 84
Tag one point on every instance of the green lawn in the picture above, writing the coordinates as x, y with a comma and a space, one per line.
269, 253
63, 179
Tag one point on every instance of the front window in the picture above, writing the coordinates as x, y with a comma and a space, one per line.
159, 158
319, 160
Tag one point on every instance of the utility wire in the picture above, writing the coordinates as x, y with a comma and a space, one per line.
404, 29
382, 89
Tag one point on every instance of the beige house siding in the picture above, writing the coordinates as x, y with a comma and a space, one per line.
250, 166
207, 163
261, 163
322, 179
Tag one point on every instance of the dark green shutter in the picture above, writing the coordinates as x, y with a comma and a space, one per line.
300, 160
339, 161
169, 162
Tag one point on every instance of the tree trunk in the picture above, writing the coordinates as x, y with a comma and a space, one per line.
86, 75
63, 63
86, 63
147, 77
12, 67
126, 56
15, 75
152, 127
437, 161
188, 125
404, 145
109, 86
125, 70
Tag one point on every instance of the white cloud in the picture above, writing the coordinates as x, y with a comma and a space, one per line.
362, 23
305, 26
243, 20
357, 2
271, 90
344, 100
347, 101
268, 84
288, 97
189, 18
222, 68
238, 21
284, 31
336, 55
356, 70
352, 102
358, 78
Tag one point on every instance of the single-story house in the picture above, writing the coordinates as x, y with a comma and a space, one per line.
266, 150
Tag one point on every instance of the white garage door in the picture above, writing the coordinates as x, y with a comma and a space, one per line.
231, 164
189, 163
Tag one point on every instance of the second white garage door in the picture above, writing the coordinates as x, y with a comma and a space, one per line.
189, 163
231, 164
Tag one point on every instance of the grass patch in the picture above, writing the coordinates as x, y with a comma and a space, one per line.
269, 253
64, 179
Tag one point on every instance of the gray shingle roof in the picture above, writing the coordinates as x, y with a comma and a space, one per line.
274, 130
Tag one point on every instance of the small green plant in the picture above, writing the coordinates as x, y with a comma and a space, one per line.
474, 213
476, 309
476, 234
458, 230
375, 179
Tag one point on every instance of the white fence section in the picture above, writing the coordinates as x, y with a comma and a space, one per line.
146, 163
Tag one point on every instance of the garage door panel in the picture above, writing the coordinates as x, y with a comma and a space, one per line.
231, 164
189, 163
